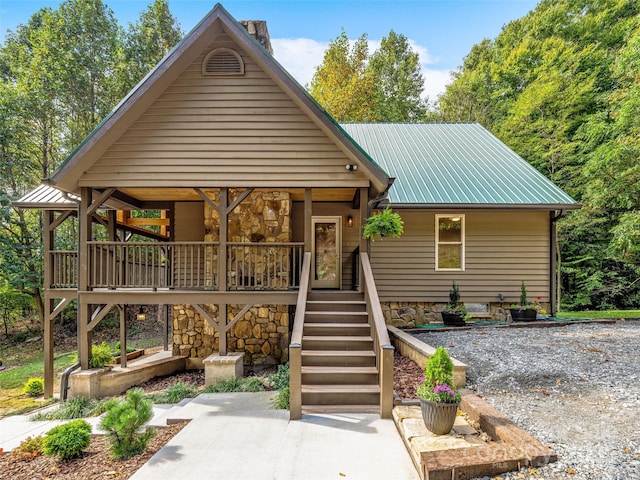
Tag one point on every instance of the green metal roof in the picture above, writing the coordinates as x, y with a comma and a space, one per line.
454, 164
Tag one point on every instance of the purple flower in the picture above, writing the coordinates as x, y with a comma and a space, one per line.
444, 388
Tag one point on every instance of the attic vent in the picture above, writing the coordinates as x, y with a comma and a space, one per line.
223, 61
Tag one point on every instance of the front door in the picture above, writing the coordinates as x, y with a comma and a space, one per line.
327, 249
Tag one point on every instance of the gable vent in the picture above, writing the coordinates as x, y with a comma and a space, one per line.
223, 61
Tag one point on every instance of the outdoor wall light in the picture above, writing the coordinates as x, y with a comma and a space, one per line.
349, 221
141, 316
352, 167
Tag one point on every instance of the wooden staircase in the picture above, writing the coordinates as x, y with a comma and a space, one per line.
338, 361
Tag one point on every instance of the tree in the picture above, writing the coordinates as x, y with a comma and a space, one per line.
399, 83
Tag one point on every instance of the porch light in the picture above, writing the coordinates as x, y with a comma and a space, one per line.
455, 219
349, 221
141, 316
352, 167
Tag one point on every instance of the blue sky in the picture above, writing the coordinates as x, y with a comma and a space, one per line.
442, 31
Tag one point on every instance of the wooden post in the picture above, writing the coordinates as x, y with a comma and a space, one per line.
222, 325
308, 223
166, 326
364, 244
123, 336
222, 244
48, 305
84, 231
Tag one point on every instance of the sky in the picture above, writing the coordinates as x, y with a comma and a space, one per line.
441, 31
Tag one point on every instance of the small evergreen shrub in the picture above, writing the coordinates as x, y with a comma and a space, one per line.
281, 400
100, 356
34, 387
68, 440
439, 368
30, 447
122, 421
280, 379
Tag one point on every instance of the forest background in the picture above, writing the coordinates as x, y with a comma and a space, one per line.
560, 86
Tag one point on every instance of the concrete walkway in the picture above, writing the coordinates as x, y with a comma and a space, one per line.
237, 436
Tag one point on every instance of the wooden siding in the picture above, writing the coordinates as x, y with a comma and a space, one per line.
223, 131
502, 249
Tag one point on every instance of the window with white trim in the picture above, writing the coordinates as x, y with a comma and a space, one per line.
450, 242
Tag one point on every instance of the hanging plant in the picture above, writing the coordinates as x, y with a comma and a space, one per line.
385, 223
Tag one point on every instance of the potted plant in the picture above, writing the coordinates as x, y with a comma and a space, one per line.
439, 401
524, 312
455, 313
385, 223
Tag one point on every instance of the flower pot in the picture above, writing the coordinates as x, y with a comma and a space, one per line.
527, 315
452, 319
438, 417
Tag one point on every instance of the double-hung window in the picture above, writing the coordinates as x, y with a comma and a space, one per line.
450, 242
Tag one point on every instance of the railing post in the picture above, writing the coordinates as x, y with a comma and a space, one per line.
386, 381
295, 381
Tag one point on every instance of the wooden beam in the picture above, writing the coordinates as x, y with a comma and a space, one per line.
308, 214
123, 336
207, 200
148, 221
84, 234
239, 315
103, 197
112, 227
174, 297
98, 314
59, 307
222, 318
238, 201
100, 219
222, 240
61, 218
207, 317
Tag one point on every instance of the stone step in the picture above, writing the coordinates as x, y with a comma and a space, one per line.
340, 394
337, 342
339, 375
349, 358
339, 305
340, 329
335, 317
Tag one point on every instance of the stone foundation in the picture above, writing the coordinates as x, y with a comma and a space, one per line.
402, 314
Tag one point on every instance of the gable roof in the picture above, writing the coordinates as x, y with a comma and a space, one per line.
455, 165
148, 90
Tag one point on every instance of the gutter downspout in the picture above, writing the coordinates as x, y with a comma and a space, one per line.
554, 264
64, 382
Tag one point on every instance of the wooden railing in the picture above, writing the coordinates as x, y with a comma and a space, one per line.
182, 265
64, 269
263, 266
381, 343
295, 348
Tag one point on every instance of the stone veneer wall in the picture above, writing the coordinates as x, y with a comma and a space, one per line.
401, 314
263, 332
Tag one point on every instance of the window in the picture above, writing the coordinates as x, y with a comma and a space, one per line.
449, 242
223, 61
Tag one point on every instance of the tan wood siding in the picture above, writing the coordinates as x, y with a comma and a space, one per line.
502, 249
223, 131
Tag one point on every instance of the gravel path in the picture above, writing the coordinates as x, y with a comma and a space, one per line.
574, 388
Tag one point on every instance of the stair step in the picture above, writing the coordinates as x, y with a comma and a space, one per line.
337, 342
344, 329
320, 409
339, 375
340, 305
335, 317
347, 358
337, 295
340, 394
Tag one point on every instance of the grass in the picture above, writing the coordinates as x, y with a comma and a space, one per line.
173, 394
600, 314
248, 384
79, 407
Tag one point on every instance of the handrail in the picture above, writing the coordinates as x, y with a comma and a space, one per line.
382, 344
295, 348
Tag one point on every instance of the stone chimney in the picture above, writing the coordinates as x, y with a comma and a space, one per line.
258, 30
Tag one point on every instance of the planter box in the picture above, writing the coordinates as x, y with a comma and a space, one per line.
452, 319
130, 356
528, 315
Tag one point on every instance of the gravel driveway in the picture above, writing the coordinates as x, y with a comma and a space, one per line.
575, 388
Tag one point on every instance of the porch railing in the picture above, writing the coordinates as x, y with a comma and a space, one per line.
183, 265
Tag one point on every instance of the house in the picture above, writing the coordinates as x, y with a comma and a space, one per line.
260, 198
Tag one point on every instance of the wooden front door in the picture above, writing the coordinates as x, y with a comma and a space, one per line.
327, 252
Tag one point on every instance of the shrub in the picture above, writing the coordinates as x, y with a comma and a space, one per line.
174, 393
68, 440
29, 448
281, 400
439, 368
280, 379
34, 387
385, 223
100, 356
78, 407
122, 421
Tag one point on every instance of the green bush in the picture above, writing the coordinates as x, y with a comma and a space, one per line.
77, 407
439, 368
34, 387
122, 421
250, 384
29, 448
100, 355
280, 379
68, 440
281, 400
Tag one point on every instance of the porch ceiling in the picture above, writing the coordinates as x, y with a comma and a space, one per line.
189, 194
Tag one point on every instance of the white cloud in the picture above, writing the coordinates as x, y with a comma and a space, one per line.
301, 56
